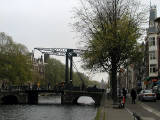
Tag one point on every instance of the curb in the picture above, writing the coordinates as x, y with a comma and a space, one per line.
148, 108
135, 115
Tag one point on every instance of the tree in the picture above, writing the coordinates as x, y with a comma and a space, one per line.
55, 73
110, 29
14, 62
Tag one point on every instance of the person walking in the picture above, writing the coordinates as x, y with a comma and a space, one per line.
124, 93
133, 95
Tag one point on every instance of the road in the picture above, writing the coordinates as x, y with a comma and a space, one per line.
155, 105
147, 110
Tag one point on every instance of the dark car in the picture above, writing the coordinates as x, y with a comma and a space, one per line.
156, 89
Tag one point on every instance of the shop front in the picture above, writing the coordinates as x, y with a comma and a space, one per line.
150, 82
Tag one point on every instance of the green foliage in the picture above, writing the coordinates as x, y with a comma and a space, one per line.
15, 67
37, 77
139, 55
55, 73
98, 115
110, 29
14, 63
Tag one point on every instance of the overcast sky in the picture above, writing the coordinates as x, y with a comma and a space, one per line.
43, 23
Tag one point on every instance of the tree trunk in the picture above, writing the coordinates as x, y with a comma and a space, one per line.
114, 82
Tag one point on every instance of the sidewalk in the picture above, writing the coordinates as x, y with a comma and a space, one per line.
107, 111
116, 113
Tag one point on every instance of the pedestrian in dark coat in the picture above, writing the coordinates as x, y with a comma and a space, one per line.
133, 95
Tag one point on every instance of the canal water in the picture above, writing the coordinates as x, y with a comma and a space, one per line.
49, 108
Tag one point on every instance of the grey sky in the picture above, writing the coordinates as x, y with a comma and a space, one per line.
42, 23
38, 23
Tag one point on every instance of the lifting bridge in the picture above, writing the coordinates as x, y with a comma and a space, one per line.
69, 53
69, 95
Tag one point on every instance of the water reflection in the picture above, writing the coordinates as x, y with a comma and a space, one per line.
86, 100
49, 108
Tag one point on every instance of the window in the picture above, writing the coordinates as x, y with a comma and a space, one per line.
152, 55
152, 68
152, 41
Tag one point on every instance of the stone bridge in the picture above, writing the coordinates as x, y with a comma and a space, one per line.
31, 96
71, 97
14, 97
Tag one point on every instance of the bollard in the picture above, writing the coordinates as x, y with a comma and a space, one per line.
136, 117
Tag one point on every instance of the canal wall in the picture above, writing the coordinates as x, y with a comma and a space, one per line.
13, 97
101, 113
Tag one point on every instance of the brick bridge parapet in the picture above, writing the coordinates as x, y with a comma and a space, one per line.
71, 97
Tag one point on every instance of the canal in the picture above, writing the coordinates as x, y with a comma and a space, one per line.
50, 108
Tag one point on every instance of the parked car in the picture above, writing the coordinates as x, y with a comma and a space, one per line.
147, 95
156, 89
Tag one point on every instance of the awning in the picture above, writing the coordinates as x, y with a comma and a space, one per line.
154, 80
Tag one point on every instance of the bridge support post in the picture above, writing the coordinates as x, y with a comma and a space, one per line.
97, 101
71, 60
66, 69
66, 99
32, 97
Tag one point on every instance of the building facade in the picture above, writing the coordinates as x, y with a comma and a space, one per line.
152, 58
147, 73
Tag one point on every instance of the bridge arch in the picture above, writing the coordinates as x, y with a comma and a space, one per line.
75, 99
10, 99
71, 97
